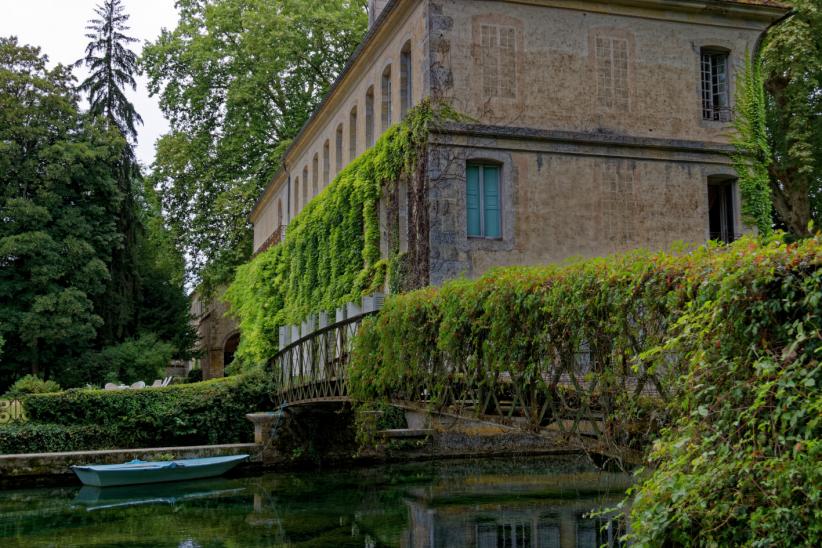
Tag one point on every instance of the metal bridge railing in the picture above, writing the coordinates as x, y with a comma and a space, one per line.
314, 368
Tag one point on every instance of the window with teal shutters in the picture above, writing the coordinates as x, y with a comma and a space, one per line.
474, 221
483, 201
490, 202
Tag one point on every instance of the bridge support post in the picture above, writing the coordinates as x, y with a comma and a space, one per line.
264, 434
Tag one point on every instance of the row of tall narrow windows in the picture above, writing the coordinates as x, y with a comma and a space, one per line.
387, 117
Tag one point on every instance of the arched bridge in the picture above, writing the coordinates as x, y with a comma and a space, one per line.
574, 396
314, 368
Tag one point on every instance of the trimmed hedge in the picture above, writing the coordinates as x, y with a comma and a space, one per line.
210, 412
47, 438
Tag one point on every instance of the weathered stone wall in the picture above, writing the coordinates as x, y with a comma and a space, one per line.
214, 329
566, 195
599, 67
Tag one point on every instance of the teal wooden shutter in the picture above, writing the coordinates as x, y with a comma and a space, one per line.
473, 202
491, 201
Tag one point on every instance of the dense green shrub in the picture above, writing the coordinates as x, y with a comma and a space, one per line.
208, 412
32, 384
331, 252
195, 375
743, 463
142, 359
733, 334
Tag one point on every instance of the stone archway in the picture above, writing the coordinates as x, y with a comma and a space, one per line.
230, 348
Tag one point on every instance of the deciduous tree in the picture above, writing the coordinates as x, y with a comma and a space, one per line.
237, 79
792, 70
58, 204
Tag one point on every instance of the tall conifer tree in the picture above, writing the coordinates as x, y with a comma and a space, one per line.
112, 67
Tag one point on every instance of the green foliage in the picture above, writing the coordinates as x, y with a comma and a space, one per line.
733, 333
237, 79
112, 67
31, 384
741, 466
208, 412
141, 359
753, 152
46, 438
792, 70
331, 252
195, 375
58, 202
85, 260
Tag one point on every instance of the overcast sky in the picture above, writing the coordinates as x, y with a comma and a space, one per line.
58, 28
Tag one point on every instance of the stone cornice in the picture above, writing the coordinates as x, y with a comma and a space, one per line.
761, 11
578, 142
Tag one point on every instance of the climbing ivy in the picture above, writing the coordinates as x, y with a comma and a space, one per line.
331, 252
753, 154
732, 335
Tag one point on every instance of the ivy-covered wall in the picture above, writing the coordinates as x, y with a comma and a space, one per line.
331, 252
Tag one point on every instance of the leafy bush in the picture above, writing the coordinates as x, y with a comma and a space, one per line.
195, 375
741, 466
141, 359
733, 333
331, 252
32, 384
209, 412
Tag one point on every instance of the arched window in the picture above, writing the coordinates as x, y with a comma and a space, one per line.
339, 148
369, 117
315, 174
326, 163
386, 98
352, 135
296, 195
405, 80
230, 348
305, 186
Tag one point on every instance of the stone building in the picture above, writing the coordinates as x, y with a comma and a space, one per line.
218, 335
600, 126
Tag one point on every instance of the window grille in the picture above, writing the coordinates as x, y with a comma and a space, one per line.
326, 163
315, 174
339, 148
369, 117
715, 92
721, 211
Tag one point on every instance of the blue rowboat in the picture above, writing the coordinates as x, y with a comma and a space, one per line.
139, 471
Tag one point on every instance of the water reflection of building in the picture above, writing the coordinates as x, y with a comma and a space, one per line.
548, 524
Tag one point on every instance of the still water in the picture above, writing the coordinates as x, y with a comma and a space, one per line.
511, 503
